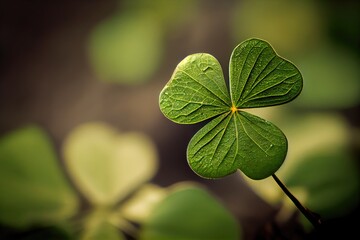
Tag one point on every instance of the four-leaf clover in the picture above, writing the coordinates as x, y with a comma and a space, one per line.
233, 139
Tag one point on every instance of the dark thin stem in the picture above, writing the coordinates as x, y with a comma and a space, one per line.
311, 216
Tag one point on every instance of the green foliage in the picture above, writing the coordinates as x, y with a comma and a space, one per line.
321, 68
98, 226
290, 26
333, 191
117, 48
324, 167
192, 214
135, 36
106, 167
320, 171
234, 139
301, 29
33, 189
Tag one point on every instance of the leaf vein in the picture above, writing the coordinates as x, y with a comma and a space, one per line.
253, 97
209, 90
254, 129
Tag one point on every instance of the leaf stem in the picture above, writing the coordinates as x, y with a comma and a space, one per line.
314, 218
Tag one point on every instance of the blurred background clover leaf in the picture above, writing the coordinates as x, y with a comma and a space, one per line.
306, 25
122, 43
106, 165
128, 40
111, 168
112, 171
33, 188
320, 170
234, 139
190, 212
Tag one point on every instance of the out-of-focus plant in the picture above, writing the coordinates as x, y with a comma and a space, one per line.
234, 139
122, 43
32, 186
290, 26
300, 29
320, 170
134, 36
321, 68
111, 171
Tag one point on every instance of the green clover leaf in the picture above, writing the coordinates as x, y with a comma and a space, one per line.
233, 139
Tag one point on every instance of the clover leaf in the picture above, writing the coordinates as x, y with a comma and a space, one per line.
233, 139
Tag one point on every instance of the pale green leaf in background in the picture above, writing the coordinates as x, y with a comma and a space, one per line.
164, 11
97, 226
292, 27
332, 191
140, 205
122, 43
332, 78
107, 165
33, 188
234, 139
300, 29
320, 170
133, 38
190, 213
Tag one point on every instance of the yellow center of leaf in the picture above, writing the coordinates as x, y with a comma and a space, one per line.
233, 109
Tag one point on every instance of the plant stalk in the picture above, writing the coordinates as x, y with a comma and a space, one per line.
311, 216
